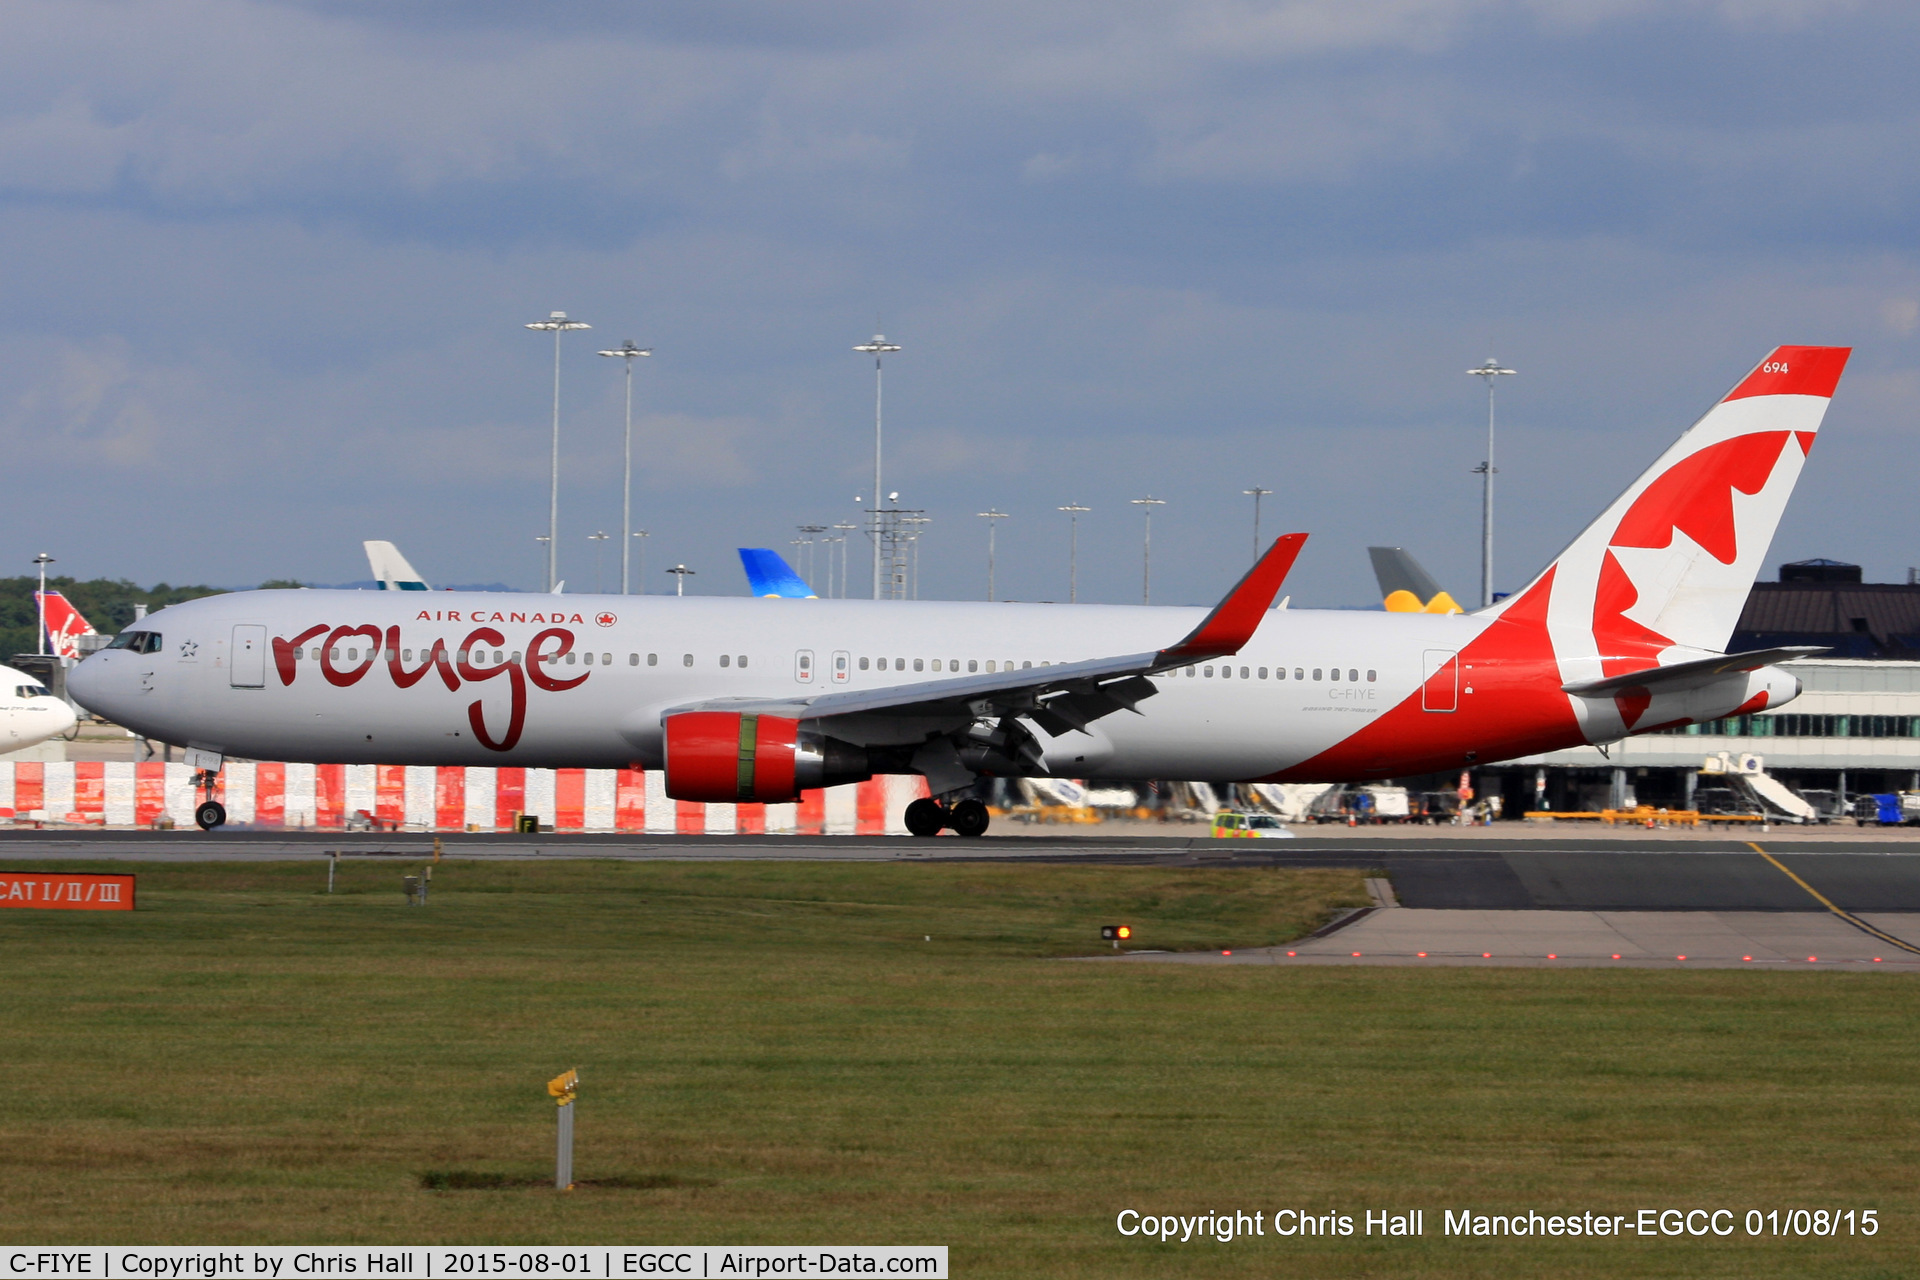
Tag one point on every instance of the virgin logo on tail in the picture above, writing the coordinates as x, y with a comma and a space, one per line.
65, 626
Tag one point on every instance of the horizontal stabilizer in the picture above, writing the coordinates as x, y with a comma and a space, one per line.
770, 576
1688, 675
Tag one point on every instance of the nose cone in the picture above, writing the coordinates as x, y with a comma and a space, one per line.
94, 686
60, 717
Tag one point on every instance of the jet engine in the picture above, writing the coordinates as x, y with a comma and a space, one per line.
732, 758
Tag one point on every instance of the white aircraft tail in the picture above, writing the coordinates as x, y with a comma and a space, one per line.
390, 568
1664, 572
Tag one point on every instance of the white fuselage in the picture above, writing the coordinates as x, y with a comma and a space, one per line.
226, 675
29, 714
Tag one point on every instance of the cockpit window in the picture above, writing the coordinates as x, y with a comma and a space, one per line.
137, 641
32, 691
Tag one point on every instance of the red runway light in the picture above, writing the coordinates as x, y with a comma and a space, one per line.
1746, 957
1616, 956
1423, 955
1551, 956
1810, 959
1679, 957
1292, 953
1226, 953
1876, 959
1356, 955
1486, 955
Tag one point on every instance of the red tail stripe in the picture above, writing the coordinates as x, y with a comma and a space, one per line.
1795, 371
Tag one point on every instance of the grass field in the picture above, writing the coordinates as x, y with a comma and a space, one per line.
776, 1053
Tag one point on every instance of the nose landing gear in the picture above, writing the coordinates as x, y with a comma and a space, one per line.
928, 817
210, 813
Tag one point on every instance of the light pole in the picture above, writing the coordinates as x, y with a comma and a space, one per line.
993, 516
540, 537
1146, 547
627, 353
599, 541
917, 523
640, 577
1074, 511
680, 574
1256, 493
40, 642
846, 534
877, 348
556, 321
1489, 371
806, 542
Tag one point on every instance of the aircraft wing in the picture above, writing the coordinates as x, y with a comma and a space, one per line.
1687, 675
1064, 696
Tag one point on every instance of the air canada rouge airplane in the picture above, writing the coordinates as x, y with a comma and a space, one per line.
751, 700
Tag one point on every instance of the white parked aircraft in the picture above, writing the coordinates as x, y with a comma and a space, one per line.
739, 700
29, 713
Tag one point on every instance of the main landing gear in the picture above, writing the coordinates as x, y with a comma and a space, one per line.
928, 817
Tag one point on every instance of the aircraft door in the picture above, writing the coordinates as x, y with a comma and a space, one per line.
842, 666
249, 669
1440, 686
803, 666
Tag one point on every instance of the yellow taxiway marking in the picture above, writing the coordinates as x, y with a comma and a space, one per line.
1826, 902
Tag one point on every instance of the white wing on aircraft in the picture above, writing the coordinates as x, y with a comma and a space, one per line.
1060, 698
390, 568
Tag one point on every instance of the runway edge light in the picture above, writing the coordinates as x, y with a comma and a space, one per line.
1116, 934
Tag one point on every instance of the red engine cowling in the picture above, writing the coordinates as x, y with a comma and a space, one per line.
728, 757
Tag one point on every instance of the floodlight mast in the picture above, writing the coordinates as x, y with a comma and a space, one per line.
1147, 505
1488, 371
1074, 511
627, 353
1256, 493
993, 516
877, 347
40, 643
557, 322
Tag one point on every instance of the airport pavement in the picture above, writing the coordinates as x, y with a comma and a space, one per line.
1414, 937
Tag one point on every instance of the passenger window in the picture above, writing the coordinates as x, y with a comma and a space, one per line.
516, 656
585, 657
741, 661
1193, 671
606, 659
1353, 676
1263, 673
863, 664
990, 664
936, 664
633, 659
1243, 673
973, 664
1372, 675
919, 664
570, 659
686, 659
1316, 673
333, 655
725, 660
953, 664
1026, 666
653, 659
899, 664
1300, 674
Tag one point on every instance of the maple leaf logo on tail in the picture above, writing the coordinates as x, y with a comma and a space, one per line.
1666, 569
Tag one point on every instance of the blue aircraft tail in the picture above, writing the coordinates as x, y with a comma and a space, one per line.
770, 575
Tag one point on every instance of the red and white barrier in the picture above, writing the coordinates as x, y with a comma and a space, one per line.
425, 798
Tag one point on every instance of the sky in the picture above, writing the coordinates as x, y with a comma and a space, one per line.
265, 270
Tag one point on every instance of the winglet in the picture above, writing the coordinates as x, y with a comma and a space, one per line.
1234, 620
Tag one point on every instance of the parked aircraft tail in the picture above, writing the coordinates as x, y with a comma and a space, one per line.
390, 568
768, 574
1405, 586
65, 625
1664, 572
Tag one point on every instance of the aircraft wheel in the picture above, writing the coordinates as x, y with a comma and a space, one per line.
925, 817
210, 815
969, 818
